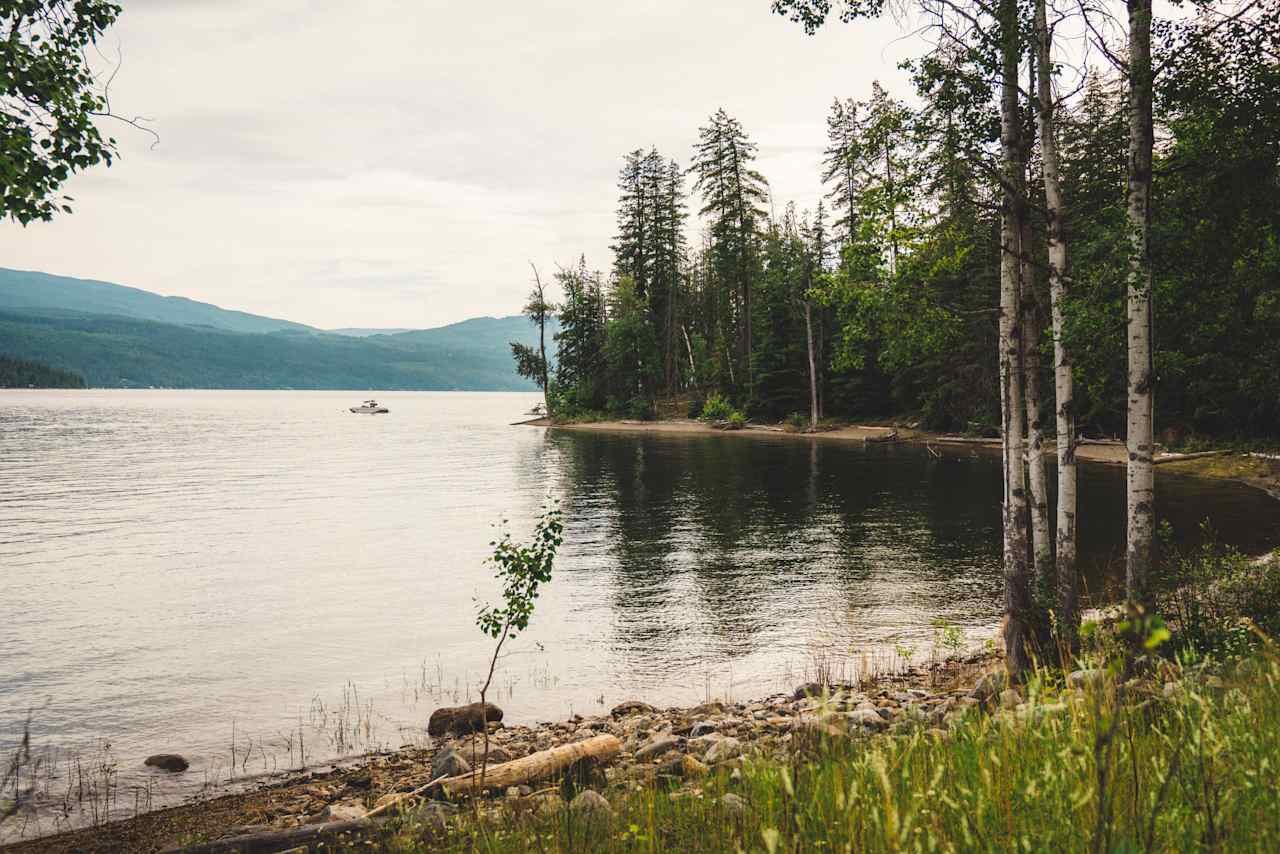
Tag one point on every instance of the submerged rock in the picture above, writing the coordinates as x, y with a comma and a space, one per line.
461, 720
167, 762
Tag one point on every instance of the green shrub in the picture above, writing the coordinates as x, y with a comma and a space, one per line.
717, 408
696, 404
1210, 594
736, 420
798, 420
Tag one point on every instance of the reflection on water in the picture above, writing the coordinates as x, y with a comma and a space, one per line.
177, 564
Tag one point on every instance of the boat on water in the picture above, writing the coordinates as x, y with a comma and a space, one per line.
370, 407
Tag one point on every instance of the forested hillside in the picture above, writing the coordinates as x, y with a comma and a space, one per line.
894, 281
123, 352
20, 373
40, 293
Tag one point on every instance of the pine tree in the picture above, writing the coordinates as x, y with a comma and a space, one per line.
733, 196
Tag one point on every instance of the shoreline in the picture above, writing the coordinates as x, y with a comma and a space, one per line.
677, 742
1255, 470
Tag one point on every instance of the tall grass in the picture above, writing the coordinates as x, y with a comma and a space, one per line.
1191, 768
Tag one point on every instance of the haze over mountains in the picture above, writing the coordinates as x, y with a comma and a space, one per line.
120, 337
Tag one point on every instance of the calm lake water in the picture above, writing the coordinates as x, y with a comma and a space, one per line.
255, 574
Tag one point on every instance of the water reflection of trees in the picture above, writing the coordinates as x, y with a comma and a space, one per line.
712, 548
722, 542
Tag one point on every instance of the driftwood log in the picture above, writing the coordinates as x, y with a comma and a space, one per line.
891, 436
536, 766
1177, 458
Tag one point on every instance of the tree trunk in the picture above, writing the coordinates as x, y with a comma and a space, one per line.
1041, 547
1064, 382
1140, 503
813, 370
1017, 588
542, 335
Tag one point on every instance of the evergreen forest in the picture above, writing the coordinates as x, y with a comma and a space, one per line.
891, 286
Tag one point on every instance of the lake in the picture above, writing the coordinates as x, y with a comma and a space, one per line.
263, 577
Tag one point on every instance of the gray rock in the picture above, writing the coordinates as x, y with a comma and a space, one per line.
702, 728
867, 718
682, 767
449, 763
656, 747
497, 755
733, 804
632, 707
461, 720
591, 805
346, 811
167, 762
811, 689
990, 685
723, 749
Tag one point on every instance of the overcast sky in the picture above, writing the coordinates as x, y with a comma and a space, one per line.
398, 163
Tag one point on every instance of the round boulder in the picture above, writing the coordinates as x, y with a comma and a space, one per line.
461, 720
167, 762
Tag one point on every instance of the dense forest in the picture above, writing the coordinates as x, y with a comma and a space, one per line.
894, 280
20, 373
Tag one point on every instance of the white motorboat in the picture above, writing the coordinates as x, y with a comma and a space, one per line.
370, 407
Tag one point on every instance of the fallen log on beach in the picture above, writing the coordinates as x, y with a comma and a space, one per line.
536, 766
1177, 458
887, 437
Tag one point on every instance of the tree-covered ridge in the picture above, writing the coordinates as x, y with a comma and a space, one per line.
118, 352
24, 292
21, 373
899, 268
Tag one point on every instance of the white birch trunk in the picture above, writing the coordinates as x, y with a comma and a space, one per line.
1017, 591
1064, 382
1140, 497
813, 369
1037, 481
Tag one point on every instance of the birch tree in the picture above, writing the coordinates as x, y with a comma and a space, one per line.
1018, 600
1139, 437
1063, 380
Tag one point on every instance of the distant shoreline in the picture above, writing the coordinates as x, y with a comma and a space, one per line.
1255, 470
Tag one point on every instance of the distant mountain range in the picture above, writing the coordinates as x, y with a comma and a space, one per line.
121, 337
